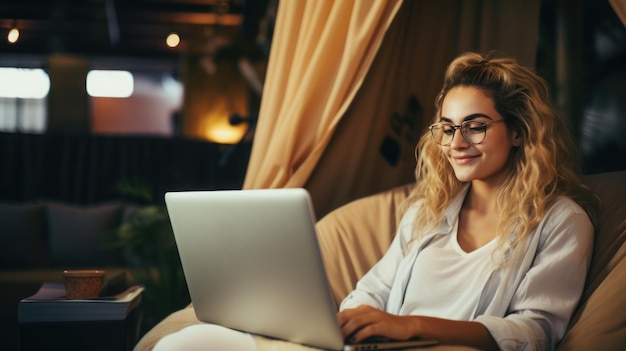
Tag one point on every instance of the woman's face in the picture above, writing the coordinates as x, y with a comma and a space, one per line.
486, 161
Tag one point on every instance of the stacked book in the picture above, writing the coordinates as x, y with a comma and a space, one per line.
50, 305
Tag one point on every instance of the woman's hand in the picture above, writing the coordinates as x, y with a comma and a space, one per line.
365, 321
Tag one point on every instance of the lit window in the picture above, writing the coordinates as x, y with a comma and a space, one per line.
23, 99
117, 84
24, 83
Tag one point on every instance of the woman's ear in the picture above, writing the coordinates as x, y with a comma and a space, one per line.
516, 138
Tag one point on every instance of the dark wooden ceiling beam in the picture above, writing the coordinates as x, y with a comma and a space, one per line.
82, 27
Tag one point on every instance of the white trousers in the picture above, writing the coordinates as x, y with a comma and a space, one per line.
203, 337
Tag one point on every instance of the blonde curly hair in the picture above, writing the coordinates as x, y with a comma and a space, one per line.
544, 166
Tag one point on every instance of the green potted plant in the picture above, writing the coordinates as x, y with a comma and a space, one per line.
147, 243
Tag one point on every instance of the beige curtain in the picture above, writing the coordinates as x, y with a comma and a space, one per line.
619, 6
321, 51
340, 139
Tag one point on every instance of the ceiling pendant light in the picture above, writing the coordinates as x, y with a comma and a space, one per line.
13, 36
172, 40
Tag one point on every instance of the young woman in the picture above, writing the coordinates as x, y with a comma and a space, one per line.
494, 250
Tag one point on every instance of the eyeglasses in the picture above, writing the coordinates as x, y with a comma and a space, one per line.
473, 132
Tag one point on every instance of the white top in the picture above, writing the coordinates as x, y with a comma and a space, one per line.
434, 285
525, 304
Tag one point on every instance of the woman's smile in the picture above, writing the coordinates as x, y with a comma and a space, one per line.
464, 159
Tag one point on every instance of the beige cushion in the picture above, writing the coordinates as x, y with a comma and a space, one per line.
599, 323
355, 236
610, 229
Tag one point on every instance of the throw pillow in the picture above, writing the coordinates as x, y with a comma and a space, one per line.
22, 233
76, 234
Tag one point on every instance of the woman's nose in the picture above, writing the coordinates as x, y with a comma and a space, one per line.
458, 141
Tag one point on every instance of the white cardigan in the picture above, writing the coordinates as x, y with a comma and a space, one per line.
525, 305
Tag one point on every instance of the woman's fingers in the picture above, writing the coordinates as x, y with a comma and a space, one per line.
365, 321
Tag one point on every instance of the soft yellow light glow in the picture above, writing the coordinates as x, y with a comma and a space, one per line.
14, 35
224, 135
219, 130
118, 84
172, 40
24, 83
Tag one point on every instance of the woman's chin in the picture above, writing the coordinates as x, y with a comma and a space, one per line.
464, 176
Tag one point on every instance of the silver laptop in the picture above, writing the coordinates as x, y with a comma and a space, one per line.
252, 263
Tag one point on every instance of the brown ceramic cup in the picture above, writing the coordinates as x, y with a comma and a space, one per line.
83, 284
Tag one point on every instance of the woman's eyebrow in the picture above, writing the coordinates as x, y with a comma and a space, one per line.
466, 118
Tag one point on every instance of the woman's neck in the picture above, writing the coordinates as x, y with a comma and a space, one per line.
482, 197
